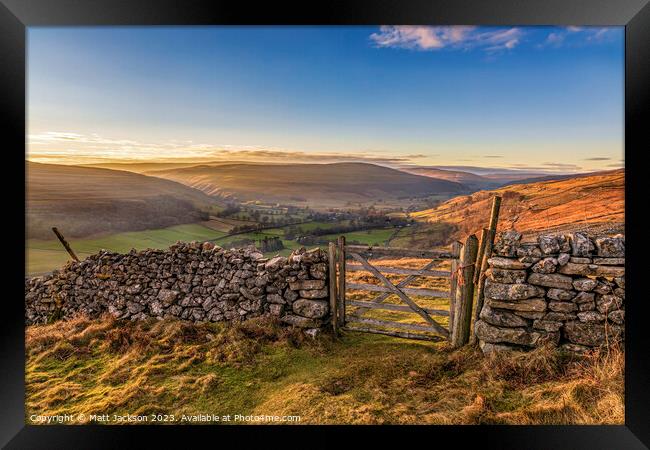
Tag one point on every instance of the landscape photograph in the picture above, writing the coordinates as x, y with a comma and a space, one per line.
325, 225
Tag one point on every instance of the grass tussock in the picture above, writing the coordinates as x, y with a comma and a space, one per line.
259, 367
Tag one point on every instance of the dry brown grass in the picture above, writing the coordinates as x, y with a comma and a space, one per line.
563, 389
258, 367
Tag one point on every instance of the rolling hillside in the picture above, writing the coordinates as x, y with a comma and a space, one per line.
592, 203
314, 185
83, 201
467, 179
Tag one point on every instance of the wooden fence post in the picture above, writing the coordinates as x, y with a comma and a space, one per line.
464, 293
482, 263
341, 280
331, 253
478, 273
456, 248
485, 233
65, 244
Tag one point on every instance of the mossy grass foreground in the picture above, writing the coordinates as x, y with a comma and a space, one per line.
261, 368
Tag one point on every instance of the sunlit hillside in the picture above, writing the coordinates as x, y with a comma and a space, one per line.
593, 202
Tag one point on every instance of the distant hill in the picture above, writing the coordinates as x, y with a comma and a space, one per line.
537, 179
468, 179
593, 202
314, 185
480, 178
142, 167
82, 201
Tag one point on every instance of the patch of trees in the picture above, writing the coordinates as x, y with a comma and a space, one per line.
361, 224
246, 227
271, 244
229, 210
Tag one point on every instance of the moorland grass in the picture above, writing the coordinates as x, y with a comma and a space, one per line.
259, 367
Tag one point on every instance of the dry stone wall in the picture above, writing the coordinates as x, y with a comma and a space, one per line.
193, 281
564, 290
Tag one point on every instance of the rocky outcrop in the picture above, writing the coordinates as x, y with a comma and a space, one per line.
567, 291
194, 281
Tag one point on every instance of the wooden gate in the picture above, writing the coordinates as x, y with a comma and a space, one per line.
460, 295
461, 269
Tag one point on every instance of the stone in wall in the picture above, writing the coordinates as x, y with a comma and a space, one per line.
591, 270
518, 291
507, 263
507, 244
527, 305
507, 276
561, 294
553, 280
546, 265
502, 318
591, 334
520, 336
610, 247
581, 245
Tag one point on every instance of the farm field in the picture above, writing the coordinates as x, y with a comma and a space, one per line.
46, 255
368, 237
224, 224
320, 224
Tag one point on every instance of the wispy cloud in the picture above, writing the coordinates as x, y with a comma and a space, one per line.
74, 148
549, 167
427, 38
573, 35
598, 158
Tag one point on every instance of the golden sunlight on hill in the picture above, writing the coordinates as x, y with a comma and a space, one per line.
591, 202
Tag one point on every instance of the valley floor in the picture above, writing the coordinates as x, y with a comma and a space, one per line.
259, 368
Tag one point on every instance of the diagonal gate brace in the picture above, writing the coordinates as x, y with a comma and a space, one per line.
405, 298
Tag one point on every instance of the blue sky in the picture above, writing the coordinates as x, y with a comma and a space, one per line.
535, 98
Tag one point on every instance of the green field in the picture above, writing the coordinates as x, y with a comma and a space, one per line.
368, 237
323, 225
46, 255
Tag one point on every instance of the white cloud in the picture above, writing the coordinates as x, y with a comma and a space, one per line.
428, 38
573, 35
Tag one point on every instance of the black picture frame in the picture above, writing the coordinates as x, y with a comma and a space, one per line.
16, 15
